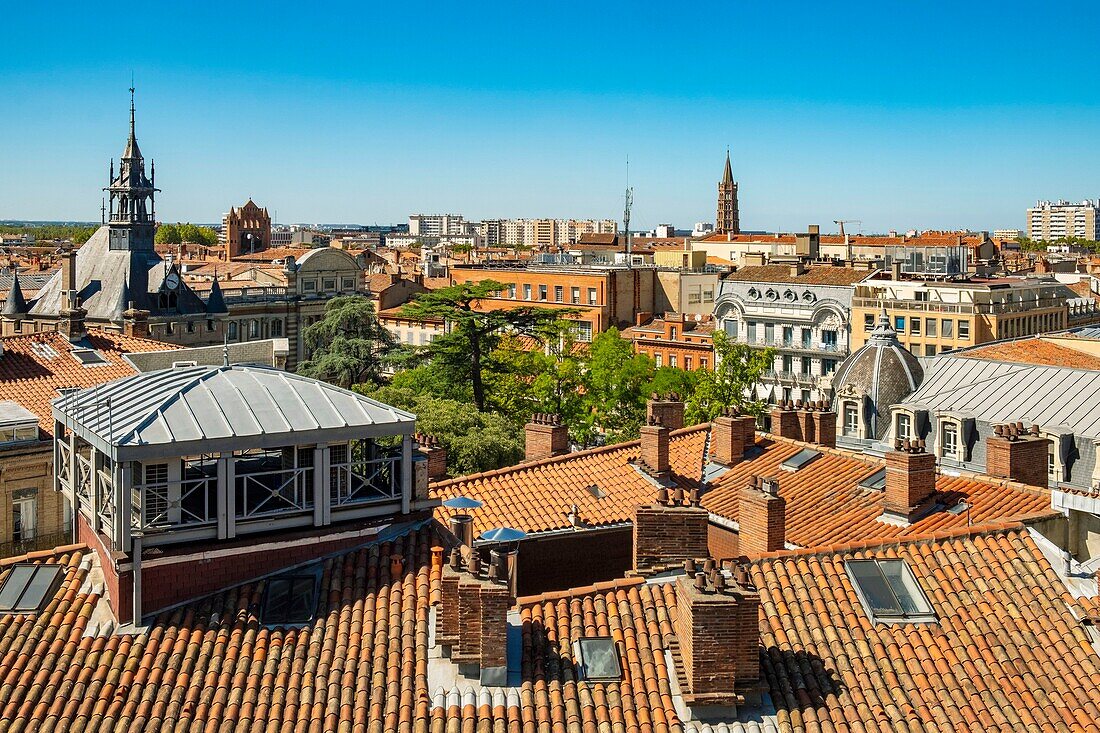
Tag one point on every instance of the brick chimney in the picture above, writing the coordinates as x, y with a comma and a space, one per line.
655, 439
785, 421
670, 530
807, 426
482, 634
436, 455
761, 517
135, 322
1014, 453
668, 409
68, 278
717, 625
731, 434
824, 424
910, 479
72, 323
546, 437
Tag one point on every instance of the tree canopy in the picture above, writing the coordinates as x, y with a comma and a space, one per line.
465, 352
180, 233
78, 234
737, 368
348, 346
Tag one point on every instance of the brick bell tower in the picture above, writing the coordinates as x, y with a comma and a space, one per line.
728, 218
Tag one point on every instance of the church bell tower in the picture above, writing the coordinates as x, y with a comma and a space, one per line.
728, 218
132, 218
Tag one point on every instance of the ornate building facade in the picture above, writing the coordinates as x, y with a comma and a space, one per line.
728, 218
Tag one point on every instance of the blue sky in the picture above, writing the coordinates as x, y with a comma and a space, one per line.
922, 115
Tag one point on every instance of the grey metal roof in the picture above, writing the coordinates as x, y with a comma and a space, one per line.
997, 391
189, 410
13, 413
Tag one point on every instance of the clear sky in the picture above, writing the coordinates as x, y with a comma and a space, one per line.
902, 115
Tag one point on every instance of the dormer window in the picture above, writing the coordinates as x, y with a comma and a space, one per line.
851, 419
17, 424
903, 429
949, 440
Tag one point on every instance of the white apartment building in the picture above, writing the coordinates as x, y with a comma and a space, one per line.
541, 232
1057, 219
440, 225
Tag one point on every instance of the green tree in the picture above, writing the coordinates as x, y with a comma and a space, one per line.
168, 234
475, 441
464, 353
616, 385
737, 369
348, 345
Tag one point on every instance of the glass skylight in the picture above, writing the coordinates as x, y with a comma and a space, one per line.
876, 481
599, 660
800, 459
889, 591
290, 599
28, 586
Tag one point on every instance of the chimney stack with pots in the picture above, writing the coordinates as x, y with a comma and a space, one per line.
435, 454
668, 409
761, 517
546, 437
785, 421
731, 434
1018, 454
482, 635
824, 419
670, 530
718, 628
910, 479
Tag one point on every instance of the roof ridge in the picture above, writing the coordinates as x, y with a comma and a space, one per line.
43, 554
539, 462
994, 527
584, 590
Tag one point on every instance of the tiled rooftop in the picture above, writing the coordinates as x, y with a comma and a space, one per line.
825, 504
1035, 350
1005, 651
33, 367
819, 275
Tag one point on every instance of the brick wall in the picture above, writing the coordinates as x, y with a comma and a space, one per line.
807, 426
573, 559
494, 603
1022, 459
448, 627
468, 648
669, 533
719, 637
910, 481
722, 543
761, 519
825, 427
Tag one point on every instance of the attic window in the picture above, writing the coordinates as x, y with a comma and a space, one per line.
599, 659
875, 482
799, 459
89, 357
27, 587
889, 592
290, 599
596, 491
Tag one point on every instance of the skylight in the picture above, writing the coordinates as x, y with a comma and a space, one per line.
43, 350
889, 592
800, 459
596, 491
599, 659
89, 357
28, 586
290, 599
875, 482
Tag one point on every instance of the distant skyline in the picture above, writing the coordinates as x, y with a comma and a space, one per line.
933, 115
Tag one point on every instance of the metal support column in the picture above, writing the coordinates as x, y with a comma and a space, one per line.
406, 474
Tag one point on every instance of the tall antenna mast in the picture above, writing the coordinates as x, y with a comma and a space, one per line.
626, 213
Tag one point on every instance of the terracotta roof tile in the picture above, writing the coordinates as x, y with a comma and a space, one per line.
814, 275
31, 376
1035, 351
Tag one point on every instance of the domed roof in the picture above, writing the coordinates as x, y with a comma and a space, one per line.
882, 370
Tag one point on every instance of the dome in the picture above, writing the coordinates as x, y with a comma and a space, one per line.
882, 372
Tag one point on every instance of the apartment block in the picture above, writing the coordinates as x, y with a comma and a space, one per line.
1051, 220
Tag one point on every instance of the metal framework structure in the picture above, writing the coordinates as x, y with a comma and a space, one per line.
214, 452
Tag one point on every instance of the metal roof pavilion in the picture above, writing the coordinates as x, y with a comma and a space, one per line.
191, 410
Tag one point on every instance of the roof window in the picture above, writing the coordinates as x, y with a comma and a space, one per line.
889, 592
43, 350
599, 659
875, 482
289, 600
596, 491
799, 459
89, 357
28, 586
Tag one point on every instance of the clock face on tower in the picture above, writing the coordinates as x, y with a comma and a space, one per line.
172, 280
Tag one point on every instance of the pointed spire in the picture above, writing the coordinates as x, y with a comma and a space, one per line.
727, 177
131, 152
16, 304
215, 302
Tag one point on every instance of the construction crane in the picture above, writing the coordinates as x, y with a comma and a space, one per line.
842, 222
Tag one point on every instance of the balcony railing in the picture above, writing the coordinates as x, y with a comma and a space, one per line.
256, 295
187, 503
359, 482
38, 542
